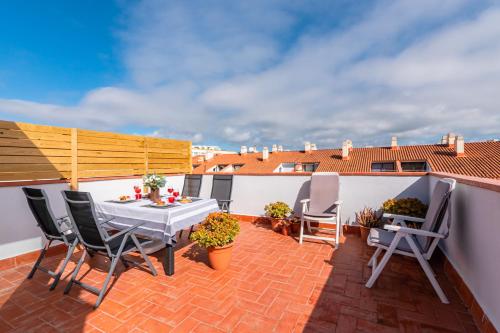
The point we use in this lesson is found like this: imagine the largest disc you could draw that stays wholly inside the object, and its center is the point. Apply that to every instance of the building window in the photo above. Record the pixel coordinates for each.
(383, 167)
(414, 166)
(236, 167)
(309, 167)
(219, 167)
(286, 167)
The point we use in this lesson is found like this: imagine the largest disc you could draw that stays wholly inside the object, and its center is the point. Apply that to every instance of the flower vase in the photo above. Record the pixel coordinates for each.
(154, 195)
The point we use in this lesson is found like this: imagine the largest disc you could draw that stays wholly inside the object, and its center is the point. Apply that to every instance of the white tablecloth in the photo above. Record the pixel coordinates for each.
(159, 223)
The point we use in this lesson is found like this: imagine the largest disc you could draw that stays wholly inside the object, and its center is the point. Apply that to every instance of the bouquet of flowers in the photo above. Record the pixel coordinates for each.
(154, 181)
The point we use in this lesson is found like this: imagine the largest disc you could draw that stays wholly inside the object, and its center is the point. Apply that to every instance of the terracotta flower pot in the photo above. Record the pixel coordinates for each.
(364, 233)
(154, 195)
(276, 224)
(295, 228)
(220, 257)
(286, 230)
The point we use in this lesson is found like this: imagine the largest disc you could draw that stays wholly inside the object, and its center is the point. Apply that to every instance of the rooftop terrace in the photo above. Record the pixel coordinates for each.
(272, 285)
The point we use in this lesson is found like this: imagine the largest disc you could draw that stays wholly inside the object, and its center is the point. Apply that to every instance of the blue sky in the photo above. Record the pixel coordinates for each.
(255, 73)
(56, 53)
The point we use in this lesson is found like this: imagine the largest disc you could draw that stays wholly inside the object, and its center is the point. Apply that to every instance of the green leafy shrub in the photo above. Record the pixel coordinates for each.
(368, 218)
(218, 229)
(278, 210)
(407, 206)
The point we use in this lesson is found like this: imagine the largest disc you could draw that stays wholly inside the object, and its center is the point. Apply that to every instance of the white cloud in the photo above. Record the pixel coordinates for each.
(222, 73)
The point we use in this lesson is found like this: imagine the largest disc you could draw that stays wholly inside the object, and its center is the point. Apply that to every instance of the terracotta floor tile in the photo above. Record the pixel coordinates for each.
(273, 283)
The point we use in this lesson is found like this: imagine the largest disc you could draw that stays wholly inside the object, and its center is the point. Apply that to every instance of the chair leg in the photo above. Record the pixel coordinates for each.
(373, 260)
(75, 273)
(301, 237)
(337, 232)
(71, 249)
(144, 256)
(427, 270)
(380, 267)
(39, 260)
(309, 226)
(114, 261)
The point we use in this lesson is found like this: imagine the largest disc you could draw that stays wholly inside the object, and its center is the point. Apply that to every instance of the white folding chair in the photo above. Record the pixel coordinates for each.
(323, 206)
(417, 243)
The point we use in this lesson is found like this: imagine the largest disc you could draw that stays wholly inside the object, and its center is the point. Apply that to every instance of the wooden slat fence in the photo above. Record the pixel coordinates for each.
(36, 152)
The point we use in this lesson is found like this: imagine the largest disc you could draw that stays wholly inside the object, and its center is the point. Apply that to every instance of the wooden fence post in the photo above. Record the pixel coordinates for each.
(74, 159)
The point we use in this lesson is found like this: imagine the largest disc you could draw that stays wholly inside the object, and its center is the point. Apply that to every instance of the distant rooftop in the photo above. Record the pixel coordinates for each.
(478, 159)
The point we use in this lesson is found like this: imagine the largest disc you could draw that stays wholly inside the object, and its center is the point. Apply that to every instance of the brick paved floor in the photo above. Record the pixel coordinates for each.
(273, 285)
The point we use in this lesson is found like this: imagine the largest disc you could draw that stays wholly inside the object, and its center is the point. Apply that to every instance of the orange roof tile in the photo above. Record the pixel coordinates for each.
(482, 159)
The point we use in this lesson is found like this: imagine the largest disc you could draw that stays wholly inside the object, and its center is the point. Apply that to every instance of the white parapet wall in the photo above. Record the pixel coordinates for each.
(473, 245)
(19, 233)
(251, 193)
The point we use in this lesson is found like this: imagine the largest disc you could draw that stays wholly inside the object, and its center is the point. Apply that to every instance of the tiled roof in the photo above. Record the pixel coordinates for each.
(482, 159)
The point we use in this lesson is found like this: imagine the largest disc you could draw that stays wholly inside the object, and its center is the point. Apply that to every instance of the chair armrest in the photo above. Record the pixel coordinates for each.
(102, 220)
(403, 218)
(125, 231)
(338, 202)
(222, 200)
(304, 201)
(412, 231)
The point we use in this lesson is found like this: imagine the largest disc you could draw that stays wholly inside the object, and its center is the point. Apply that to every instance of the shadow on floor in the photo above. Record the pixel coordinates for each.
(402, 300)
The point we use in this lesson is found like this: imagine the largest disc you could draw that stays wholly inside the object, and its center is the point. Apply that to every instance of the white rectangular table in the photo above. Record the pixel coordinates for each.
(157, 223)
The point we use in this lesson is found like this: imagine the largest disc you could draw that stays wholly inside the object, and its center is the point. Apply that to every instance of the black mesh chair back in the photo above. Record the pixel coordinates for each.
(192, 186)
(222, 187)
(81, 211)
(39, 206)
(53, 228)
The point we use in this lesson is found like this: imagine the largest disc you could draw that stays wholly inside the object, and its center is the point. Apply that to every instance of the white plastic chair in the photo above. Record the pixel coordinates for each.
(417, 243)
(323, 206)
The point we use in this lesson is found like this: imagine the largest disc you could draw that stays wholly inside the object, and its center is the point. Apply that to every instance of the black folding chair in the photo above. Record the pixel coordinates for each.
(94, 237)
(192, 186)
(221, 190)
(53, 229)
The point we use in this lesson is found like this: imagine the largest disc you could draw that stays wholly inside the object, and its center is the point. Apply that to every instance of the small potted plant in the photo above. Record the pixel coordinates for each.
(367, 218)
(154, 182)
(277, 212)
(217, 234)
(294, 224)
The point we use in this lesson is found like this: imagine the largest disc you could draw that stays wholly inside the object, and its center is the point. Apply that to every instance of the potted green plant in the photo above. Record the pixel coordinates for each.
(277, 212)
(406, 206)
(367, 218)
(217, 234)
(154, 182)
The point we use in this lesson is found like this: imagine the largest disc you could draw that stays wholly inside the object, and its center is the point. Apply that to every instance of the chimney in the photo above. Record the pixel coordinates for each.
(265, 154)
(280, 148)
(313, 146)
(349, 144)
(307, 147)
(274, 148)
(243, 150)
(444, 140)
(451, 140)
(209, 156)
(394, 143)
(459, 146)
(345, 150)
(255, 149)
(251, 149)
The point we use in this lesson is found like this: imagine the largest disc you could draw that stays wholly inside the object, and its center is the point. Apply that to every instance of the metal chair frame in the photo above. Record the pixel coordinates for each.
(58, 224)
(103, 250)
